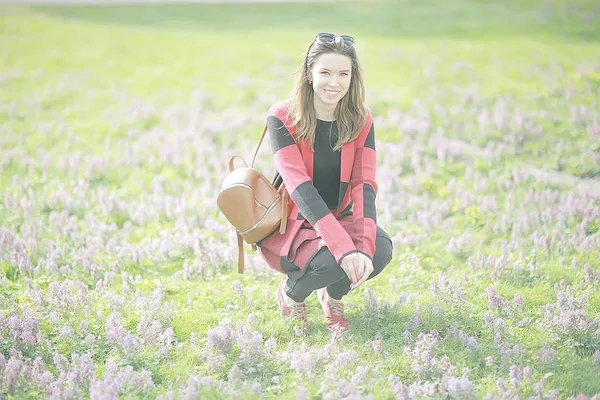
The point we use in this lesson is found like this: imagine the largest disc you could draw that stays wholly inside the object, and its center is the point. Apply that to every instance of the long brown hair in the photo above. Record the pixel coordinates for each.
(350, 112)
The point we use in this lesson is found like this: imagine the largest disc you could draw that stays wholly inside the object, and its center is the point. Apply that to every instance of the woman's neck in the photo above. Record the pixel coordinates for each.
(325, 112)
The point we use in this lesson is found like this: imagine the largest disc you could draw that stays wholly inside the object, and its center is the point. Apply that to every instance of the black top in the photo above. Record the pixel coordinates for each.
(327, 163)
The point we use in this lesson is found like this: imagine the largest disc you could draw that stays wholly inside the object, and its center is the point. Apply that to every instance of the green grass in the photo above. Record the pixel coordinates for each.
(115, 126)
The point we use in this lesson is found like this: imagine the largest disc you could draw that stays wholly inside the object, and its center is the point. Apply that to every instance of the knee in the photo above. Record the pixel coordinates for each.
(383, 252)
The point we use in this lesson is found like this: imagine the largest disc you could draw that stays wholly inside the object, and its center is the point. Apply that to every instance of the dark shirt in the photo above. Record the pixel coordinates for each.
(327, 163)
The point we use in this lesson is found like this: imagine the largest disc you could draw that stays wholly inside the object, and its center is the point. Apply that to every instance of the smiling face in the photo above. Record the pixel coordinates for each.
(331, 76)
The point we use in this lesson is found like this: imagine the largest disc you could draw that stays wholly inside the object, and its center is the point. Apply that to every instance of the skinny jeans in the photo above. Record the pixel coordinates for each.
(323, 271)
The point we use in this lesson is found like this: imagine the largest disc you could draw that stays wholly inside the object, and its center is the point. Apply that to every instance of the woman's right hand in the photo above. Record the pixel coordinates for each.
(358, 267)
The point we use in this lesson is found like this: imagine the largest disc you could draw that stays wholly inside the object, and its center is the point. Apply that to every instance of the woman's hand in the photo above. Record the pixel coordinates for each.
(358, 267)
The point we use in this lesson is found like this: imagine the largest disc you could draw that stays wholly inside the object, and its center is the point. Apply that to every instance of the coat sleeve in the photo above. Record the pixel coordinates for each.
(290, 165)
(364, 191)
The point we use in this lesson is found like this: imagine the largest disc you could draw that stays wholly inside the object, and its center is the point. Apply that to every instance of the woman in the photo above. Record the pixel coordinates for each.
(324, 151)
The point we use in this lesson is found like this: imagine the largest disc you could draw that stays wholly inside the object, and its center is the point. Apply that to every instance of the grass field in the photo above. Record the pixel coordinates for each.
(119, 273)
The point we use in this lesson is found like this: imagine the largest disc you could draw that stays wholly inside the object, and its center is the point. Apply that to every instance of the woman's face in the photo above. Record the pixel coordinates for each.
(331, 74)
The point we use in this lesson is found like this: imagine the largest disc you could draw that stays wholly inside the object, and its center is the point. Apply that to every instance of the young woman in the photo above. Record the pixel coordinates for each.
(323, 143)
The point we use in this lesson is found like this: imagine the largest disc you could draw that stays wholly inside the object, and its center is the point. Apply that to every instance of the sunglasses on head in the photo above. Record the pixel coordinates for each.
(328, 38)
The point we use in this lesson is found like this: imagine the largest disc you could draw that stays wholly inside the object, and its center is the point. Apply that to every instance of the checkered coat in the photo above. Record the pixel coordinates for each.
(311, 225)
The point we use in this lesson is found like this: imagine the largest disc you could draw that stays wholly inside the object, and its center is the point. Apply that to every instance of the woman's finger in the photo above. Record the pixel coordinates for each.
(367, 266)
(354, 277)
(361, 268)
(349, 267)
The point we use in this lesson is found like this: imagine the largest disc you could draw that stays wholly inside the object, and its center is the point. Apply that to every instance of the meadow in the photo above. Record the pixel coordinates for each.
(118, 273)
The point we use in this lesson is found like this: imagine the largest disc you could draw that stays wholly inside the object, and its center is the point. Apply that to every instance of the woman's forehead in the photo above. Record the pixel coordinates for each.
(333, 61)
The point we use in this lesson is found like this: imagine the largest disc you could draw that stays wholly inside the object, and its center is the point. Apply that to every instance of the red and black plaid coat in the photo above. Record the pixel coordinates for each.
(311, 224)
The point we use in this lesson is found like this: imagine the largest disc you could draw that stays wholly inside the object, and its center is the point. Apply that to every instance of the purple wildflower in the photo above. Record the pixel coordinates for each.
(399, 389)
(516, 376)
(220, 338)
(237, 288)
(458, 388)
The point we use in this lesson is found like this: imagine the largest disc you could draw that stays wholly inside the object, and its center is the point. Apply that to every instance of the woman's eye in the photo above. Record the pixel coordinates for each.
(324, 72)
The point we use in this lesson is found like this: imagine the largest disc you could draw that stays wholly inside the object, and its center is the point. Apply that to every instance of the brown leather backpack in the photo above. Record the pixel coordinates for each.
(251, 204)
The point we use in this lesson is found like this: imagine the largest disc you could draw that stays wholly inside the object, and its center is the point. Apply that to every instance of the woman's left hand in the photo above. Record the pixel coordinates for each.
(364, 270)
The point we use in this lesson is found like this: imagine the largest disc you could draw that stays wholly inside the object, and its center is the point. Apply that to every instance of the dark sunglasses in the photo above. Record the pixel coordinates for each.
(328, 38)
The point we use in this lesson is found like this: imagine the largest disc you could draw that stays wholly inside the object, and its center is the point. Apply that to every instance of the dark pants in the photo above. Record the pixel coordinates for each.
(324, 271)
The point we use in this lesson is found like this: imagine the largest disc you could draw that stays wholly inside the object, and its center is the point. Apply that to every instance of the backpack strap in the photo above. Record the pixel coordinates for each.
(240, 253)
(258, 147)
